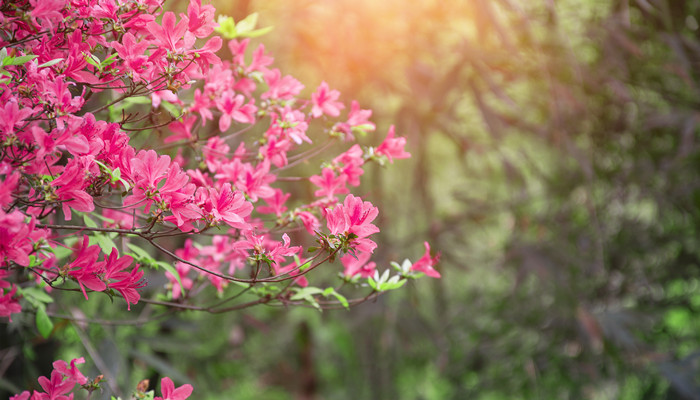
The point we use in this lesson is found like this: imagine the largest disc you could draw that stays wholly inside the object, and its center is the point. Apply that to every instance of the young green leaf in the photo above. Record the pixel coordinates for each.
(227, 27)
(50, 63)
(18, 60)
(36, 297)
(173, 272)
(89, 222)
(43, 323)
(341, 299)
(247, 24)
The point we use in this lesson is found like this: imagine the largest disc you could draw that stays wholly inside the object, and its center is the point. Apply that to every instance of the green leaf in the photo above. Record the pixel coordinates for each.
(105, 242)
(247, 24)
(43, 323)
(331, 291)
(170, 107)
(266, 290)
(140, 253)
(678, 320)
(302, 267)
(170, 268)
(116, 175)
(89, 222)
(391, 285)
(138, 100)
(227, 27)
(37, 297)
(61, 252)
(307, 294)
(373, 283)
(109, 60)
(257, 32)
(51, 62)
(303, 293)
(17, 60)
(93, 60)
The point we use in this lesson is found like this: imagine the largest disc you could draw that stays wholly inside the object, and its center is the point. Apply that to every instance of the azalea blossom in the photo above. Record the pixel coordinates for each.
(89, 136)
(229, 206)
(169, 392)
(325, 101)
(329, 184)
(425, 264)
(393, 148)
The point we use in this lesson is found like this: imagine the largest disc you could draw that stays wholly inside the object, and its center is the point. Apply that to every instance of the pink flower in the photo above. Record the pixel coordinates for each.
(238, 50)
(12, 115)
(147, 170)
(201, 18)
(56, 388)
(352, 161)
(310, 221)
(86, 269)
(49, 11)
(358, 265)
(255, 181)
(337, 220)
(425, 264)
(168, 35)
(359, 118)
(124, 282)
(230, 207)
(360, 214)
(329, 184)
(132, 54)
(260, 61)
(8, 303)
(206, 55)
(215, 152)
(8, 185)
(324, 102)
(182, 130)
(393, 147)
(294, 125)
(70, 186)
(21, 396)
(281, 250)
(15, 243)
(276, 150)
(232, 107)
(167, 389)
(281, 88)
(275, 202)
(71, 372)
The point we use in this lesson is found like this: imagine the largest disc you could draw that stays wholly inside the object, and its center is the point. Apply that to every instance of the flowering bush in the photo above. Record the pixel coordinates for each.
(83, 165)
(65, 377)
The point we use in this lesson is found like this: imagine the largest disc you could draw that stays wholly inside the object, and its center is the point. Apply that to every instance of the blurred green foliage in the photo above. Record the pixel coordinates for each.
(555, 166)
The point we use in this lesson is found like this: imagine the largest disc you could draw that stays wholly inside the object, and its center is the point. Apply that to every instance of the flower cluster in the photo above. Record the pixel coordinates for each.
(81, 81)
(65, 377)
(121, 121)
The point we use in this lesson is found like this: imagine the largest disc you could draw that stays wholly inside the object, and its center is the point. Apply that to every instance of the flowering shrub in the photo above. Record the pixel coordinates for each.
(65, 378)
(82, 165)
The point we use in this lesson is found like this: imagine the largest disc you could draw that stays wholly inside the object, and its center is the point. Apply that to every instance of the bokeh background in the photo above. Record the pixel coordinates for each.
(555, 166)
